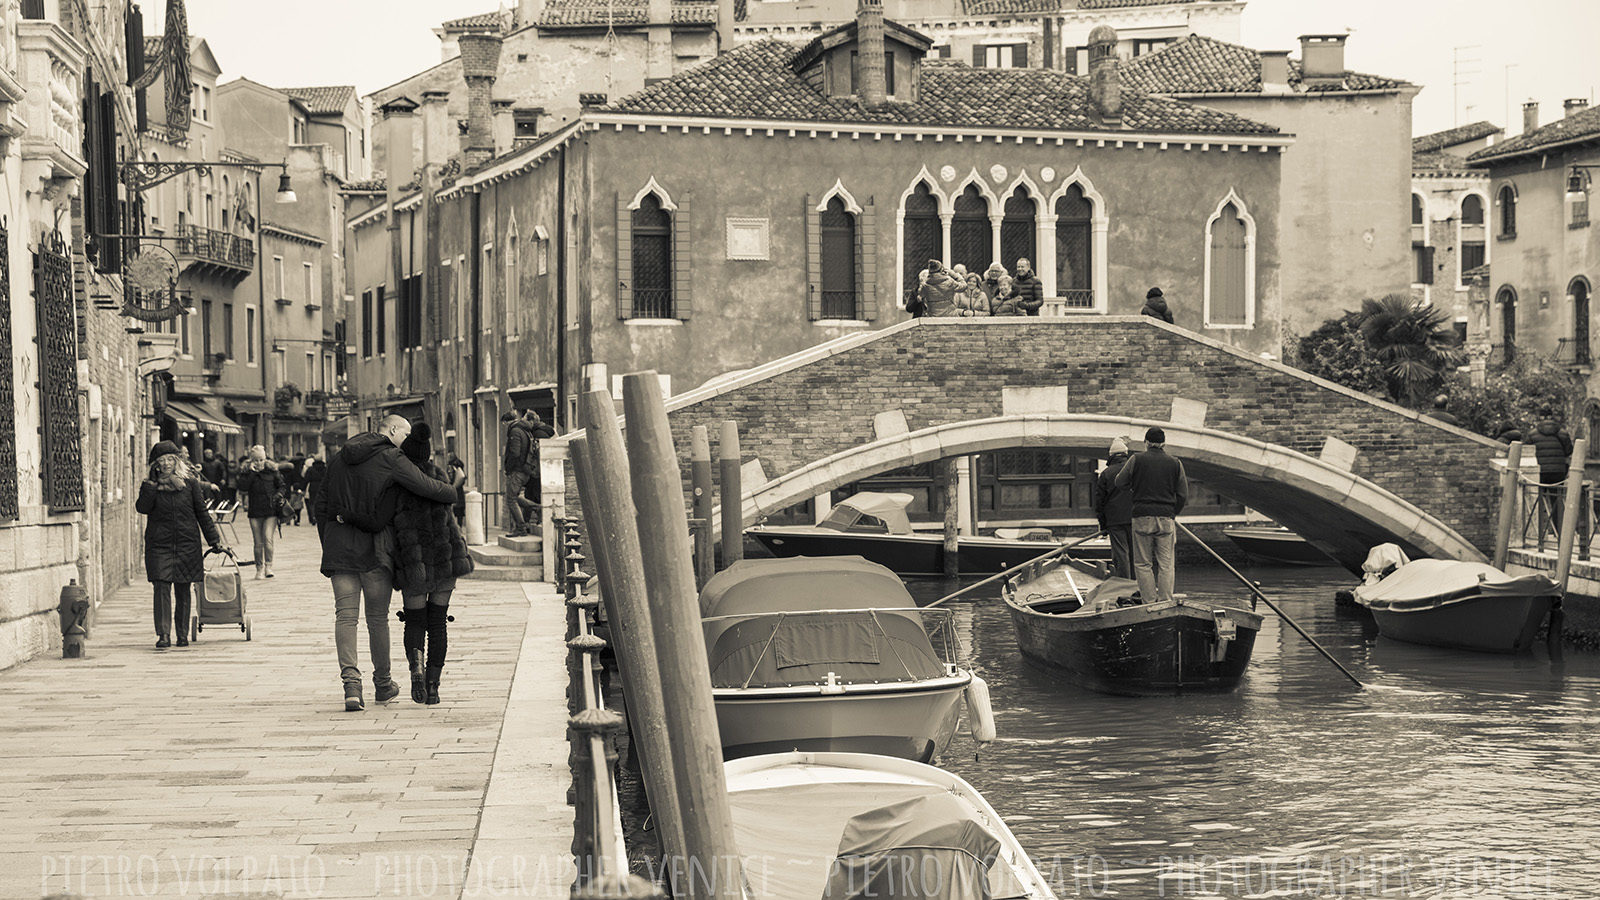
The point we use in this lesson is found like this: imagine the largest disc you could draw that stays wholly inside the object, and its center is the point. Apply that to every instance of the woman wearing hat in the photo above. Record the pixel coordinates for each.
(429, 553)
(176, 504)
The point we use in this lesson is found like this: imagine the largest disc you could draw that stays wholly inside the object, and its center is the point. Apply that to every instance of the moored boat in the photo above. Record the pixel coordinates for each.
(1097, 634)
(1276, 545)
(1454, 603)
(831, 654)
(853, 826)
(875, 526)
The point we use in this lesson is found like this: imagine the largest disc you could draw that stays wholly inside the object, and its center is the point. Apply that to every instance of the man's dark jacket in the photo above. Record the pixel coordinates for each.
(1113, 506)
(1028, 292)
(1159, 485)
(1552, 447)
(522, 446)
(358, 498)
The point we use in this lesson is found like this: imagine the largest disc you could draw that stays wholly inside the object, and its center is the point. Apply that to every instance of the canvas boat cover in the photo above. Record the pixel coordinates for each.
(840, 840)
(1381, 561)
(785, 649)
(1429, 583)
(795, 584)
(891, 508)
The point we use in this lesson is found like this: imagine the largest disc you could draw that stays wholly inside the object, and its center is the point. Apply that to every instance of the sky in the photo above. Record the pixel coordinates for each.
(1547, 44)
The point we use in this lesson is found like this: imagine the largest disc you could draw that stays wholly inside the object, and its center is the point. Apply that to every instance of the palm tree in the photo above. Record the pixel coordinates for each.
(1415, 343)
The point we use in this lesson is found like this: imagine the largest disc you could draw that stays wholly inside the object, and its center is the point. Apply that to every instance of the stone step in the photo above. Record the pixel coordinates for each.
(530, 543)
(492, 555)
(507, 573)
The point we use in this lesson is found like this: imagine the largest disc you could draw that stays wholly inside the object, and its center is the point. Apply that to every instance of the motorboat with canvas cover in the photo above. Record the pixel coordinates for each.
(852, 826)
(1097, 633)
(831, 654)
(875, 526)
(1454, 603)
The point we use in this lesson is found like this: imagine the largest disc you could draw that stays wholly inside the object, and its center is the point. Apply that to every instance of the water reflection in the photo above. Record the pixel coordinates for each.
(1456, 775)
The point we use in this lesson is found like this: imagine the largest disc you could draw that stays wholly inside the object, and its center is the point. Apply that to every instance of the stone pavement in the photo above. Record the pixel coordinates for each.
(230, 768)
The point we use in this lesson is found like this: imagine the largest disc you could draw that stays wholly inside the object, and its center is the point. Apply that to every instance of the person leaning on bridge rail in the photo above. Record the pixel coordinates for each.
(1027, 287)
(939, 291)
(355, 517)
(1113, 506)
(1160, 490)
(1155, 306)
(1552, 447)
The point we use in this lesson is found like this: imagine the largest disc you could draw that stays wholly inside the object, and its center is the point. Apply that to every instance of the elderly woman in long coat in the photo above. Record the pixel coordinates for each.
(175, 502)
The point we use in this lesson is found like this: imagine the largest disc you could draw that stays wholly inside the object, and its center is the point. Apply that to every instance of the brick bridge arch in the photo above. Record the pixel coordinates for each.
(1337, 465)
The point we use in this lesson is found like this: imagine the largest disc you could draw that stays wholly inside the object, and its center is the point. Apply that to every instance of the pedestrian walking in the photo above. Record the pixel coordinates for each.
(266, 495)
(458, 478)
(315, 472)
(1552, 447)
(1028, 288)
(214, 472)
(1113, 506)
(1160, 490)
(294, 476)
(1155, 306)
(175, 505)
(355, 517)
(430, 553)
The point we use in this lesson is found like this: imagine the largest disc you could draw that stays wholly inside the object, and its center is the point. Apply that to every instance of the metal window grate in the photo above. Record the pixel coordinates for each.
(652, 260)
(839, 272)
(58, 375)
(8, 400)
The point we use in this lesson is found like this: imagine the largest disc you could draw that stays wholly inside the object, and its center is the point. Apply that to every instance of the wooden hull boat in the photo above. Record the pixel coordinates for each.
(1086, 629)
(854, 826)
(1465, 605)
(831, 654)
(1276, 545)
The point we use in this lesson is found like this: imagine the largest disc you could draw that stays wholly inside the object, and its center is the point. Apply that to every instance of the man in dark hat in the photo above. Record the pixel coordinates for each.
(1156, 305)
(1160, 491)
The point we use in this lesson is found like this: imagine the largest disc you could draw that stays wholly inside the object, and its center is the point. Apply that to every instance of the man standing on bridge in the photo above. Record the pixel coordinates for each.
(1160, 491)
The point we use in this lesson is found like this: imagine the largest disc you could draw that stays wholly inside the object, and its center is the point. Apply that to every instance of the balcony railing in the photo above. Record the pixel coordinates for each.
(1574, 352)
(207, 245)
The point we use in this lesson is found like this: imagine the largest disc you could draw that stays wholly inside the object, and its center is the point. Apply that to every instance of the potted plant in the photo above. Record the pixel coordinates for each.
(285, 396)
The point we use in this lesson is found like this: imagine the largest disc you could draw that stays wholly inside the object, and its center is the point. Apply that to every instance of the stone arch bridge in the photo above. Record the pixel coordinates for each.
(1344, 469)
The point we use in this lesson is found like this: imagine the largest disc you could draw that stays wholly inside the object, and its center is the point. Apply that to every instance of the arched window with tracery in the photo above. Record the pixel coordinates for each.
(971, 232)
(921, 234)
(652, 259)
(1578, 290)
(839, 271)
(1019, 229)
(1074, 250)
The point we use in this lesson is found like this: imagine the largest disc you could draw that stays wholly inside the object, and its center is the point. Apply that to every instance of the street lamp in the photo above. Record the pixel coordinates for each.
(1578, 183)
(285, 190)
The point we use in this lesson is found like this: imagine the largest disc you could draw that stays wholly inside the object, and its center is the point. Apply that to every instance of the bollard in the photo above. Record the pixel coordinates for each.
(1508, 504)
(476, 534)
(73, 608)
(1569, 512)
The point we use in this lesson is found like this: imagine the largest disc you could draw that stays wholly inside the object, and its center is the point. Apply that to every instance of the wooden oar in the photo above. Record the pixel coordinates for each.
(1273, 606)
(1011, 571)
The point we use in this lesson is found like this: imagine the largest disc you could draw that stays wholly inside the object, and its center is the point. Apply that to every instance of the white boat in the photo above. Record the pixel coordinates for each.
(1453, 603)
(853, 826)
(830, 654)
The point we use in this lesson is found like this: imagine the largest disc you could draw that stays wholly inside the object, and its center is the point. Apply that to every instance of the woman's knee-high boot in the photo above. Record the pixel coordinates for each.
(438, 642)
(415, 638)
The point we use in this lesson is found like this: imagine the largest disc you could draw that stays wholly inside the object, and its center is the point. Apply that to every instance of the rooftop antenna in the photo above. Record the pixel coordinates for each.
(1463, 67)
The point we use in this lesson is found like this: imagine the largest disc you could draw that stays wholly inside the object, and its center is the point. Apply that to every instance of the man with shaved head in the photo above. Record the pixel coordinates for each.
(355, 513)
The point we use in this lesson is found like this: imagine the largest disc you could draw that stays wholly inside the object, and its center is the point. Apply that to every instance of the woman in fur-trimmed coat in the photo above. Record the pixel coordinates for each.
(430, 552)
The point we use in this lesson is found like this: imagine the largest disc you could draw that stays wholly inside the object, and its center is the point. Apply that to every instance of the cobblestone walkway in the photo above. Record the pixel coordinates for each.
(230, 768)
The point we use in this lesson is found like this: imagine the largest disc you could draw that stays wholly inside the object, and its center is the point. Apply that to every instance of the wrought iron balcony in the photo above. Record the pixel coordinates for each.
(227, 255)
(1574, 352)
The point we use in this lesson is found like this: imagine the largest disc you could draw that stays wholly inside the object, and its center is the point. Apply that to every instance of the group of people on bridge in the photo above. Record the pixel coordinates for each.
(954, 291)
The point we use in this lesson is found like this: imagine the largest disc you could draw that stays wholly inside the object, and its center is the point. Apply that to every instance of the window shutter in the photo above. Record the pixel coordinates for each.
(867, 252)
(624, 259)
(813, 260)
(977, 56)
(1019, 56)
(1427, 265)
(682, 275)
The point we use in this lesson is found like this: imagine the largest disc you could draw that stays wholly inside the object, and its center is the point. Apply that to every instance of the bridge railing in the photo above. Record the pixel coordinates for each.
(1539, 511)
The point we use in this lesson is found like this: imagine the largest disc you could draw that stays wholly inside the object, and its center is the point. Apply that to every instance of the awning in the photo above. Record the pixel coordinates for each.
(200, 417)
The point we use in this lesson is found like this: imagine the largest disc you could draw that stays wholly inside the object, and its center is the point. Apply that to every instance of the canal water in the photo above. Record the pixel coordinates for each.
(1456, 775)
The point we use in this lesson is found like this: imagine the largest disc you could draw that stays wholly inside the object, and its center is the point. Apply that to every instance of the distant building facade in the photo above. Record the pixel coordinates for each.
(1449, 228)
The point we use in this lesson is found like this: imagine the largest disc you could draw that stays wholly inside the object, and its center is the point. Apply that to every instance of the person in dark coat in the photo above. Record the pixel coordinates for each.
(1160, 491)
(1552, 447)
(214, 471)
(1441, 411)
(1113, 506)
(314, 475)
(355, 517)
(429, 553)
(264, 490)
(294, 475)
(1155, 305)
(458, 477)
(1027, 288)
(176, 505)
(939, 291)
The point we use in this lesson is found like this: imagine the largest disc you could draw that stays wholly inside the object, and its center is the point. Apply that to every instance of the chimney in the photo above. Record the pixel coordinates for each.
(1322, 59)
(505, 125)
(401, 164)
(871, 87)
(480, 62)
(527, 13)
(440, 140)
(1105, 81)
(1275, 71)
(1574, 105)
(591, 100)
(1530, 116)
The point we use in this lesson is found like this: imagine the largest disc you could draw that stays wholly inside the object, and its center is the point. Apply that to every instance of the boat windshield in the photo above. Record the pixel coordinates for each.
(861, 646)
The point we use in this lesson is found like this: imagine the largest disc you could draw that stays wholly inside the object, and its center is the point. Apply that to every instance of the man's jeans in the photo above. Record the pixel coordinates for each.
(516, 483)
(1155, 539)
(348, 588)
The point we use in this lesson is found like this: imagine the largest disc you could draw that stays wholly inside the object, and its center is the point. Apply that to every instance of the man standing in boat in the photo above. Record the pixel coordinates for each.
(1113, 506)
(1160, 489)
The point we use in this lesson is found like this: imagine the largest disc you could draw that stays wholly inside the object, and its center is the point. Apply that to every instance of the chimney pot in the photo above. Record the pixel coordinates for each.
(589, 100)
(873, 87)
(1530, 116)
(480, 63)
(1105, 79)
(1275, 70)
(1322, 58)
(1574, 105)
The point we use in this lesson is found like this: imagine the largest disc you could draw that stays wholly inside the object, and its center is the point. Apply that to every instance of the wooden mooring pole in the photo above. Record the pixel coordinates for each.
(1510, 481)
(1569, 512)
(711, 869)
(732, 495)
(700, 479)
(952, 517)
(601, 467)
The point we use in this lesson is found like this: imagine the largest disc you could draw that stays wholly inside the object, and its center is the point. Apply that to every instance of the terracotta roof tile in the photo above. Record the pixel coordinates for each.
(1116, 4)
(599, 13)
(1009, 7)
(1580, 126)
(1203, 65)
(321, 101)
(1436, 162)
(1450, 137)
(481, 20)
(757, 81)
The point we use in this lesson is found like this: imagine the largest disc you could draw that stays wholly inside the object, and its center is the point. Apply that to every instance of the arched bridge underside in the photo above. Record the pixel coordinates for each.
(1340, 467)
